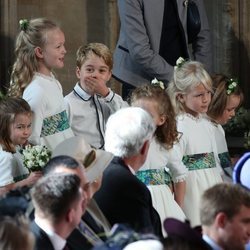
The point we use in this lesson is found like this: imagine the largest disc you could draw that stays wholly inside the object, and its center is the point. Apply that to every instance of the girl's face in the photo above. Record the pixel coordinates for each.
(151, 106)
(94, 72)
(20, 129)
(196, 101)
(233, 101)
(52, 54)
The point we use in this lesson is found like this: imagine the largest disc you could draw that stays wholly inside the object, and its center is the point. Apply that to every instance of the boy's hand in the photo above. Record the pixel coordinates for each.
(97, 86)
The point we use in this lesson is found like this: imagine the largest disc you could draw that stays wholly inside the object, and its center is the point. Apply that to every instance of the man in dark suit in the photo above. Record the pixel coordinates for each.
(94, 227)
(59, 203)
(153, 35)
(122, 197)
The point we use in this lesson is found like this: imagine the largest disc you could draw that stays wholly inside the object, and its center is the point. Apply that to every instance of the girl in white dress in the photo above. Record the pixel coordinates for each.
(39, 49)
(156, 172)
(190, 93)
(226, 98)
(15, 129)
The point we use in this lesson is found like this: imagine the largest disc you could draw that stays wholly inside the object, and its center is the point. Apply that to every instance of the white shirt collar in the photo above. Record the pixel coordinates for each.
(211, 243)
(131, 170)
(57, 241)
(83, 94)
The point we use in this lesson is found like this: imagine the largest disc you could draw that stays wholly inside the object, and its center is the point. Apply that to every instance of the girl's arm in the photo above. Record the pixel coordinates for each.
(35, 96)
(179, 192)
(30, 180)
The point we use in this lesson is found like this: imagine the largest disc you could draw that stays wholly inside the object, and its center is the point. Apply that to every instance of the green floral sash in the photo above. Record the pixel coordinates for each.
(20, 177)
(199, 161)
(154, 177)
(55, 124)
(225, 160)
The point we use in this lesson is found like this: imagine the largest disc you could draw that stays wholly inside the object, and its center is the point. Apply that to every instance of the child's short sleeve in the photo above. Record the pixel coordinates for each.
(6, 162)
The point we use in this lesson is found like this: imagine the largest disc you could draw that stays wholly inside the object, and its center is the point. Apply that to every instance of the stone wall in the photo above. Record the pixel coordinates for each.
(97, 20)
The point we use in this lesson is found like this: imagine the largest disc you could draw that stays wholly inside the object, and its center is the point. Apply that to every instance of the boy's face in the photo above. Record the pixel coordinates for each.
(93, 74)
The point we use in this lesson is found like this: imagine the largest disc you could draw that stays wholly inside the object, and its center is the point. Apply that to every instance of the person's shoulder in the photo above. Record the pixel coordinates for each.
(5, 156)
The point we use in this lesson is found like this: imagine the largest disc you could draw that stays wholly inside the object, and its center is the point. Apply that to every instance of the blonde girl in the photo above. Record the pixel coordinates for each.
(40, 49)
(156, 172)
(15, 129)
(190, 93)
(226, 98)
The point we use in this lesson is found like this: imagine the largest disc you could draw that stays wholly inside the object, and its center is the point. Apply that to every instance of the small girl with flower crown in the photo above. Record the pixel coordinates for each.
(15, 129)
(226, 98)
(156, 172)
(39, 49)
(190, 93)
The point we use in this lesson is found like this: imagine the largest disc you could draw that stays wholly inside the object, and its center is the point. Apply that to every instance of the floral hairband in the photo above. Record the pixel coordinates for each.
(24, 24)
(157, 83)
(179, 62)
(232, 84)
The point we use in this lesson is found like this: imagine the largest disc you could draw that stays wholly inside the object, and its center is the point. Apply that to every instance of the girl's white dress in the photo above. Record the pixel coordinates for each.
(157, 176)
(197, 150)
(224, 157)
(50, 121)
(11, 168)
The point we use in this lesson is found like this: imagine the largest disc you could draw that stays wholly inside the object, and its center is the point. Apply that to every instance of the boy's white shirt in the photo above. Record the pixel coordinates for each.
(81, 109)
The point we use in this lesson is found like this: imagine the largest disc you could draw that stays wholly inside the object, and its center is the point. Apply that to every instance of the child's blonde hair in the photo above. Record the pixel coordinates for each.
(167, 133)
(220, 96)
(186, 77)
(32, 35)
(9, 108)
(97, 49)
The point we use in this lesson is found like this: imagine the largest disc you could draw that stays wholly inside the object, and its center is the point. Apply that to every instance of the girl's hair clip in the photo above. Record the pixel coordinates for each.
(231, 86)
(24, 24)
(157, 83)
(179, 62)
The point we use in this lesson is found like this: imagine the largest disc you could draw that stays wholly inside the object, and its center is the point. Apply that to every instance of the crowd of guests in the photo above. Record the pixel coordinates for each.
(150, 172)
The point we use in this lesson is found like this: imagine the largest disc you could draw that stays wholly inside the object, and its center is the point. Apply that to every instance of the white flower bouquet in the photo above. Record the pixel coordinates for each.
(35, 157)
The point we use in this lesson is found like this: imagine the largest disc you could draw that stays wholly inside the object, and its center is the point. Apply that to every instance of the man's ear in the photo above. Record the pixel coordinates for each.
(70, 215)
(221, 219)
(38, 52)
(78, 72)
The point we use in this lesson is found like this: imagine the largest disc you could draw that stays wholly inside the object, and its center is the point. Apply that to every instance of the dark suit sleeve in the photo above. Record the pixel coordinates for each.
(42, 241)
(124, 199)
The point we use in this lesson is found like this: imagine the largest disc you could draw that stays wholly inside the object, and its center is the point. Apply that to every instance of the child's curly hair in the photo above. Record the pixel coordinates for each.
(166, 133)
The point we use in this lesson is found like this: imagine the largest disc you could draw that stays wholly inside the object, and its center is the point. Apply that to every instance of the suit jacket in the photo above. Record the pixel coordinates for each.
(125, 199)
(42, 240)
(78, 240)
(136, 57)
(96, 213)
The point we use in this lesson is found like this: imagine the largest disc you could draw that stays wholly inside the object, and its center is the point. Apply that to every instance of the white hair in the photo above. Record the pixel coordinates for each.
(186, 77)
(127, 130)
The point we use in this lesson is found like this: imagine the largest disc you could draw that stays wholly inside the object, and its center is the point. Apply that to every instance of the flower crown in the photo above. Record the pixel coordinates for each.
(23, 23)
(157, 83)
(179, 62)
(232, 84)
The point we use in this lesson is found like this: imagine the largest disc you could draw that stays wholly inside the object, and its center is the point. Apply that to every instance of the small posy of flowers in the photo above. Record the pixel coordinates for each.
(158, 83)
(232, 84)
(35, 157)
(180, 61)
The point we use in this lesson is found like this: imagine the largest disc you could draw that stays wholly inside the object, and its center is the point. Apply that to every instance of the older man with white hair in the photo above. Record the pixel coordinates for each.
(122, 197)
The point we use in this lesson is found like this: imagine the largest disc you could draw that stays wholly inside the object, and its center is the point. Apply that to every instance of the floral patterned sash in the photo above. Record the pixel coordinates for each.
(154, 177)
(225, 160)
(55, 124)
(199, 161)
